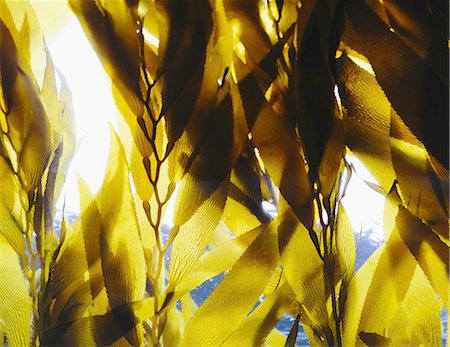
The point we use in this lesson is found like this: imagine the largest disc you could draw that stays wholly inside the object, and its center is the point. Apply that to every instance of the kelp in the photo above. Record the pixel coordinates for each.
(229, 106)
(37, 142)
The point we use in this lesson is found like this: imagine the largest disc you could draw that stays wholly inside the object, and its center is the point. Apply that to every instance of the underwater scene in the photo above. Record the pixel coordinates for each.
(224, 173)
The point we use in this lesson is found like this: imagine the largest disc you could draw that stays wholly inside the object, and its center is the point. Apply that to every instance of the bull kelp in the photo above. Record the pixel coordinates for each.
(227, 106)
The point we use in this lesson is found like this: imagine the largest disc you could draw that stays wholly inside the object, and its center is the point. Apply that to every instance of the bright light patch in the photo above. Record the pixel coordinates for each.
(361, 62)
(94, 108)
(338, 97)
(364, 206)
(150, 38)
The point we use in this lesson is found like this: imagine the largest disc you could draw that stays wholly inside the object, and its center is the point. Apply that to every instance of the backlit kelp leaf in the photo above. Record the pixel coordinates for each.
(302, 265)
(185, 30)
(67, 274)
(106, 329)
(314, 103)
(218, 260)
(275, 339)
(243, 210)
(62, 123)
(209, 163)
(281, 154)
(49, 96)
(29, 131)
(11, 225)
(258, 324)
(111, 28)
(194, 235)
(67, 124)
(89, 225)
(357, 293)
(367, 120)
(422, 309)
(172, 327)
(188, 308)
(131, 118)
(417, 320)
(244, 17)
(428, 249)
(419, 184)
(26, 123)
(391, 278)
(15, 302)
(344, 244)
(120, 247)
(423, 73)
(8, 68)
(234, 297)
(437, 174)
(331, 166)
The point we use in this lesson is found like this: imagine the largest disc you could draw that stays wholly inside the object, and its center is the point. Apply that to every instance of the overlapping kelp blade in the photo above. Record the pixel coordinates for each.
(423, 70)
(303, 268)
(313, 82)
(386, 291)
(111, 29)
(344, 244)
(428, 249)
(234, 297)
(420, 312)
(282, 158)
(121, 250)
(183, 44)
(229, 104)
(15, 301)
(367, 121)
(11, 221)
(257, 325)
(219, 259)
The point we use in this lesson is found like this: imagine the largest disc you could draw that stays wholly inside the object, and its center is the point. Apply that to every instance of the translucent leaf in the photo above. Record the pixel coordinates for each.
(430, 252)
(357, 292)
(282, 158)
(258, 324)
(195, 234)
(420, 186)
(303, 267)
(8, 65)
(236, 294)
(275, 339)
(29, 131)
(118, 48)
(421, 308)
(427, 92)
(15, 302)
(11, 225)
(185, 33)
(345, 243)
(368, 121)
(315, 105)
(120, 247)
(389, 283)
(219, 259)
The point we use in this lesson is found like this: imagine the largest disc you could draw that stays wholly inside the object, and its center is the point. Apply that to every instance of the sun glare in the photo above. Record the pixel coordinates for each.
(94, 108)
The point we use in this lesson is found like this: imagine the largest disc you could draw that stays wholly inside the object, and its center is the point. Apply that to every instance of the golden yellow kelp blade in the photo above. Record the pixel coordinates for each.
(430, 252)
(235, 296)
(258, 324)
(232, 105)
(121, 251)
(15, 301)
(303, 269)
